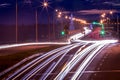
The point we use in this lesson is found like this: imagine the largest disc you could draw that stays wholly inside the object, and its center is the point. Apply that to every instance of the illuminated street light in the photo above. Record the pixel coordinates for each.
(101, 21)
(103, 15)
(60, 13)
(73, 19)
(56, 10)
(45, 4)
(111, 12)
(66, 17)
(84, 22)
(59, 16)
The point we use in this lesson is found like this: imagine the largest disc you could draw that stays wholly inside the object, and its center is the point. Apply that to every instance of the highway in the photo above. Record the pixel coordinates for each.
(75, 61)
(60, 40)
(69, 62)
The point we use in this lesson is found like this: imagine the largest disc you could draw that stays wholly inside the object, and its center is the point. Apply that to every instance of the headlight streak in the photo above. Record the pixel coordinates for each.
(31, 64)
(80, 49)
(77, 57)
(57, 64)
(70, 65)
(47, 72)
(98, 41)
(73, 62)
(86, 62)
(28, 44)
(79, 35)
(46, 62)
(91, 60)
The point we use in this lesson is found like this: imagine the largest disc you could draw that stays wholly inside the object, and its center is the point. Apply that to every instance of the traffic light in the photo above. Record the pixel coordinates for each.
(63, 33)
(102, 32)
(94, 23)
(65, 30)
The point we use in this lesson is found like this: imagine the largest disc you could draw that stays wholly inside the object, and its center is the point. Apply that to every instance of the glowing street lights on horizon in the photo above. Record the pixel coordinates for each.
(111, 12)
(59, 15)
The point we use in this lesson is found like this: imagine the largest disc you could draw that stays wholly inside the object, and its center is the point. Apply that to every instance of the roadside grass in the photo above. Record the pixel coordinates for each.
(10, 60)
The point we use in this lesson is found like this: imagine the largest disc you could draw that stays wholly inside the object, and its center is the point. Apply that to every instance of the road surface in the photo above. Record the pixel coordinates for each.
(78, 61)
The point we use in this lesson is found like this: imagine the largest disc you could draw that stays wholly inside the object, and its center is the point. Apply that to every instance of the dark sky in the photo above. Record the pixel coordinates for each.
(85, 9)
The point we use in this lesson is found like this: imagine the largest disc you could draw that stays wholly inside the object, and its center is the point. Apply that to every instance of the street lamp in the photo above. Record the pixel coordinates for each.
(56, 10)
(45, 5)
(111, 12)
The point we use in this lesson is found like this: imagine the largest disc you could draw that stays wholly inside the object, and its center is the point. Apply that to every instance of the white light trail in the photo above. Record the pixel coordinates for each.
(97, 41)
(73, 62)
(57, 64)
(44, 76)
(46, 62)
(28, 44)
(32, 63)
(79, 35)
(93, 49)
(86, 62)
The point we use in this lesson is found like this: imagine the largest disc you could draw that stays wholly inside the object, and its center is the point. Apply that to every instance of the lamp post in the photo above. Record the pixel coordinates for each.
(45, 5)
(118, 25)
(36, 16)
(16, 22)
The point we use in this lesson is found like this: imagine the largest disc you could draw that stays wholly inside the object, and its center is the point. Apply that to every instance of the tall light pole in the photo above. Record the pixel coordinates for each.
(36, 16)
(118, 25)
(16, 22)
(45, 4)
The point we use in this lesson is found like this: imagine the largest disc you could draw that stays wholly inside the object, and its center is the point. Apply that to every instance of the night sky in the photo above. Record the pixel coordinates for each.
(89, 10)
(26, 9)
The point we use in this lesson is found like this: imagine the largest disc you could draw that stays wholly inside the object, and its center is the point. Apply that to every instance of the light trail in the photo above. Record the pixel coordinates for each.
(46, 62)
(29, 44)
(90, 58)
(79, 35)
(86, 62)
(79, 55)
(73, 62)
(96, 41)
(92, 49)
(56, 65)
(48, 71)
(31, 64)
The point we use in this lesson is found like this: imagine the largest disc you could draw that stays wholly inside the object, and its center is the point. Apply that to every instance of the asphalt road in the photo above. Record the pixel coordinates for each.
(107, 64)
(77, 61)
